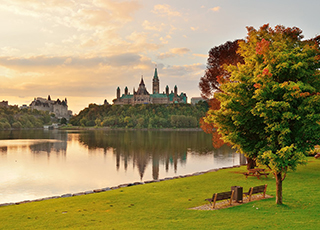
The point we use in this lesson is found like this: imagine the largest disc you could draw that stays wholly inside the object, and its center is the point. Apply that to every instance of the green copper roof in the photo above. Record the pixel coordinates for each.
(158, 95)
(181, 96)
(155, 73)
(126, 96)
(171, 95)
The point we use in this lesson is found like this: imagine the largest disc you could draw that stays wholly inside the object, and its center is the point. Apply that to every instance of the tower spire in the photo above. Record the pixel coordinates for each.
(155, 82)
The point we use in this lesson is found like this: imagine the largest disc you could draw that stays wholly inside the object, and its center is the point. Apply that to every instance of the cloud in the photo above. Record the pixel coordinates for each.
(182, 71)
(44, 62)
(201, 55)
(148, 26)
(174, 52)
(69, 77)
(85, 15)
(215, 9)
(7, 50)
(165, 11)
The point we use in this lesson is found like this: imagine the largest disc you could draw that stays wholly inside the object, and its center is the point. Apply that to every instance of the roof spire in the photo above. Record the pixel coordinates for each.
(155, 76)
(141, 82)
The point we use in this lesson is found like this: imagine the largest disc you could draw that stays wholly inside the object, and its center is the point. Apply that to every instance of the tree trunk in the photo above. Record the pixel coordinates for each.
(279, 188)
(251, 163)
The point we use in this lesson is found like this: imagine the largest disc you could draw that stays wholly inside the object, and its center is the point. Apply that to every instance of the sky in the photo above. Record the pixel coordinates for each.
(83, 50)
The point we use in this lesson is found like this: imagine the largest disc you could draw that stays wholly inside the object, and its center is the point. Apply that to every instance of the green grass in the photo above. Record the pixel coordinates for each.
(164, 205)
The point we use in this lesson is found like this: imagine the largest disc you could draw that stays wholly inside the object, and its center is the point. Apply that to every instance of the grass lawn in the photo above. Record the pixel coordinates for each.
(164, 205)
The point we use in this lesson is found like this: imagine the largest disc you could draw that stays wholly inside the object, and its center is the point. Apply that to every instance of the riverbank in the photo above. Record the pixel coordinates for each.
(112, 188)
(133, 129)
(166, 205)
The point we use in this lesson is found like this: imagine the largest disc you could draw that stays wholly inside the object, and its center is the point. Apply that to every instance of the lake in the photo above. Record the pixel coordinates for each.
(41, 163)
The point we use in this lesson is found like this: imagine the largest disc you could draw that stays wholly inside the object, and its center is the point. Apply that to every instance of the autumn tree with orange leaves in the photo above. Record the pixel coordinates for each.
(270, 108)
(219, 56)
(225, 54)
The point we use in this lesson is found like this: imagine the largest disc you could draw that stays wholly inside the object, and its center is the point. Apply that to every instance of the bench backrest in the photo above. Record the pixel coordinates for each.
(224, 195)
(258, 189)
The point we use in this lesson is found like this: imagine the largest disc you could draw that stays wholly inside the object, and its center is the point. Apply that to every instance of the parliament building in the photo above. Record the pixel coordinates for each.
(142, 96)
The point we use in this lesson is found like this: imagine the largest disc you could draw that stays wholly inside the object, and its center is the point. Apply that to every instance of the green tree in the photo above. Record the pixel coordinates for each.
(271, 106)
(16, 125)
(63, 121)
(97, 122)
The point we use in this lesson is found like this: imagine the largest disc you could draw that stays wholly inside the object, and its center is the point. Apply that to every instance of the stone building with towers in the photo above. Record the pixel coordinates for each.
(142, 96)
(59, 108)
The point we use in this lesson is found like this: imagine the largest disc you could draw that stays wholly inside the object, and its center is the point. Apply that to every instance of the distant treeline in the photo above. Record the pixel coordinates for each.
(13, 117)
(142, 116)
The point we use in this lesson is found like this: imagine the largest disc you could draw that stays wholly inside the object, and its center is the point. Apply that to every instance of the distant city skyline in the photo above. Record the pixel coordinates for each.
(83, 50)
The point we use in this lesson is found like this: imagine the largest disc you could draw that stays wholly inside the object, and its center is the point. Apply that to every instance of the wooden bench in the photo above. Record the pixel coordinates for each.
(256, 190)
(220, 196)
(256, 172)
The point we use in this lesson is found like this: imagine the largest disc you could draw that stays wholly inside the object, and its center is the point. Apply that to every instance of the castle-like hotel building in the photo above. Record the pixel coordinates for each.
(142, 96)
(59, 108)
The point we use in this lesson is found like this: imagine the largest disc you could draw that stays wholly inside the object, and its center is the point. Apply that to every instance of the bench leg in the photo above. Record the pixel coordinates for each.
(214, 201)
(250, 194)
(265, 189)
(231, 198)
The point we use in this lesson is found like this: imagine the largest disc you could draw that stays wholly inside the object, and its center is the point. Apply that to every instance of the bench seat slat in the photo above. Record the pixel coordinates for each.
(221, 196)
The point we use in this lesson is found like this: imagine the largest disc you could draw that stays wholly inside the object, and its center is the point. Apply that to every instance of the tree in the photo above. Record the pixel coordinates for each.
(270, 108)
(219, 56)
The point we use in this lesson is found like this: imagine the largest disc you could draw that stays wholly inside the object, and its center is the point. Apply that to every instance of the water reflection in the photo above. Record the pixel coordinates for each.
(39, 163)
(38, 141)
(160, 147)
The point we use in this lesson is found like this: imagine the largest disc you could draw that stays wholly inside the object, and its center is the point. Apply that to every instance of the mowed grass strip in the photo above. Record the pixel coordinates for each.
(165, 205)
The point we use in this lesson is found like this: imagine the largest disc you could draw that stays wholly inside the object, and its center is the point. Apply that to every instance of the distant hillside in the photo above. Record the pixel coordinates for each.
(142, 116)
(13, 117)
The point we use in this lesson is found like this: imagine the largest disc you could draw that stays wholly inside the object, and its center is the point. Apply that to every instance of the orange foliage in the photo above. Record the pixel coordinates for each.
(214, 104)
(306, 94)
(257, 85)
(217, 142)
(262, 47)
(207, 128)
(266, 72)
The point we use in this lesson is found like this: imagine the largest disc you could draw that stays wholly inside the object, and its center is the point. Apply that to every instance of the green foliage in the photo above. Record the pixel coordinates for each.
(141, 116)
(13, 117)
(270, 108)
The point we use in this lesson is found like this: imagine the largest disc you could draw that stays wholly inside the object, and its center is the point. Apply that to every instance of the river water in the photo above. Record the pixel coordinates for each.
(42, 163)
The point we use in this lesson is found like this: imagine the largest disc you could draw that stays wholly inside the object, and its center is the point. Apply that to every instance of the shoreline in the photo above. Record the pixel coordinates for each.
(116, 187)
(130, 129)
(66, 128)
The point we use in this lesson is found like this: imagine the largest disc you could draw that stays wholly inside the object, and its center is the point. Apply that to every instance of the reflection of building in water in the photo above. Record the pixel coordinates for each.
(141, 148)
(141, 159)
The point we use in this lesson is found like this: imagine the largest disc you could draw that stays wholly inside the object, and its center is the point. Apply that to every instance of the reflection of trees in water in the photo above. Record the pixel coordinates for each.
(47, 146)
(224, 152)
(28, 134)
(4, 149)
(140, 147)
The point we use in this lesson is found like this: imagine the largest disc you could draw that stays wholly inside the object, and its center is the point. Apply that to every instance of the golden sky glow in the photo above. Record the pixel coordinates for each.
(83, 50)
